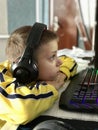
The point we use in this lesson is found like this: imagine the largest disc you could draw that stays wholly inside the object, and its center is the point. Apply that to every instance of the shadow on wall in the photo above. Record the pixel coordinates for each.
(2, 49)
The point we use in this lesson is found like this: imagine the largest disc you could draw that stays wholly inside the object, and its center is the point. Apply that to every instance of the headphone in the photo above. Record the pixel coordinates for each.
(26, 70)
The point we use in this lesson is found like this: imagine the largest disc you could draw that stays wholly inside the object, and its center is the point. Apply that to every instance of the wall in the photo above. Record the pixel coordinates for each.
(3, 17)
(3, 28)
(20, 13)
(2, 49)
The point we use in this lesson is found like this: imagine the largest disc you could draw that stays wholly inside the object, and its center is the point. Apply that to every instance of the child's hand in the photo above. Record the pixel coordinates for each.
(59, 81)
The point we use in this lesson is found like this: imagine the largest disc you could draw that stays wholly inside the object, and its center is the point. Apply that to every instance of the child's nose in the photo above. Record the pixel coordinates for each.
(59, 62)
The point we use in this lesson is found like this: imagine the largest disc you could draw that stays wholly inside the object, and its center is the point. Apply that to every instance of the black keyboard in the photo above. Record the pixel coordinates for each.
(82, 93)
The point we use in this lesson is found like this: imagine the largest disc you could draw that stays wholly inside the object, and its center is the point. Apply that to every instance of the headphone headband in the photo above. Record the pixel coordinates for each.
(34, 37)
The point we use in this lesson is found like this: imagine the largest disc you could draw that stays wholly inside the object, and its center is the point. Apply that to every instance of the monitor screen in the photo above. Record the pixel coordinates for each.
(96, 38)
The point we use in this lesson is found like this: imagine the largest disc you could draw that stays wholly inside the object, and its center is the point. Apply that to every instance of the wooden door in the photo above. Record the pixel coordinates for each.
(64, 13)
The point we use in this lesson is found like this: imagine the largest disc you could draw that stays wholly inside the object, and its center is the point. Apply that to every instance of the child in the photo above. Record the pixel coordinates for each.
(19, 104)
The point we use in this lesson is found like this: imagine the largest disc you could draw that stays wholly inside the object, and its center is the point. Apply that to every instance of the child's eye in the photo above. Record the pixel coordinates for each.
(53, 57)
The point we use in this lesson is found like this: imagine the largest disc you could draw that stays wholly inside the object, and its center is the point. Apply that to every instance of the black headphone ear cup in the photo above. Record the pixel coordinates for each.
(23, 74)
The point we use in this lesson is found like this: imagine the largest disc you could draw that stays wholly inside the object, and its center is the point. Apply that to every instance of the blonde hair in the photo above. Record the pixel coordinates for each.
(17, 42)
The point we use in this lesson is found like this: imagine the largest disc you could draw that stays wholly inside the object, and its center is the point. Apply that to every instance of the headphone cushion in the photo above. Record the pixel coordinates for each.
(25, 73)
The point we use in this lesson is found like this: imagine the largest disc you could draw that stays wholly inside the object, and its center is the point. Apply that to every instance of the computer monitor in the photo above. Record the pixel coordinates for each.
(96, 38)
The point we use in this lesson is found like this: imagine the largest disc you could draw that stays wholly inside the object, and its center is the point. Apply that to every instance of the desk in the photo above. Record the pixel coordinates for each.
(55, 110)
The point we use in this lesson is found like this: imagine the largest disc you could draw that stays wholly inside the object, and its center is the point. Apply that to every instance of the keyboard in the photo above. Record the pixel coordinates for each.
(82, 93)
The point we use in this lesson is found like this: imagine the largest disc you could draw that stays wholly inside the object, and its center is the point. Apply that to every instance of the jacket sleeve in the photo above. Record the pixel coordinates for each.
(69, 66)
(20, 104)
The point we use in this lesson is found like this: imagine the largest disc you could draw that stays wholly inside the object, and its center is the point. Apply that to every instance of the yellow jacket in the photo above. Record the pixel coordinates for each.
(21, 104)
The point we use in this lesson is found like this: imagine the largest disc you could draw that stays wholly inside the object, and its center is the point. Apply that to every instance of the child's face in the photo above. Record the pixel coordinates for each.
(48, 62)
